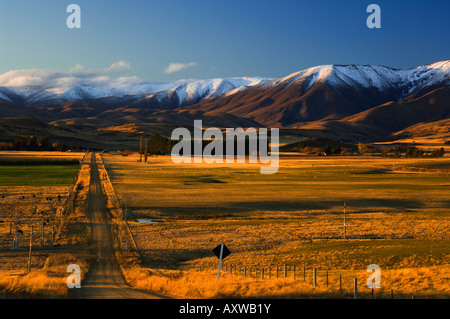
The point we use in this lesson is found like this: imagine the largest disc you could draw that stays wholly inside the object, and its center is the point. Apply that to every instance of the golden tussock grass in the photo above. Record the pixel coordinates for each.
(397, 217)
(402, 283)
(50, 281)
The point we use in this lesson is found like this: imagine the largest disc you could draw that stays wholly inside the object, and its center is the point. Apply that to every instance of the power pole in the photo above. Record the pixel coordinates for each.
(146, 149)
(140, 149)
(16, 235)
(345, 225)
(53, 225)
(29, 254)
(42, 230)
(11, 221)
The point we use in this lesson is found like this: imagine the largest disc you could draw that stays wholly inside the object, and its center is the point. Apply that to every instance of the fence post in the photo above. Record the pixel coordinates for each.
(327, 278)
(340, 283)
(262, 273)
(355, 289)
(315, 277)
(245, 271)
(285, 271)
(304, 273)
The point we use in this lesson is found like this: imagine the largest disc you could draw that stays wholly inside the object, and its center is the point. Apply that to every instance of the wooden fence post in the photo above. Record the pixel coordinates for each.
(315, 277)
(304, 273)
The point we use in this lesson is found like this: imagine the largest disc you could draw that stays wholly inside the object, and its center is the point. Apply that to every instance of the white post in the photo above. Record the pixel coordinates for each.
(220, 261)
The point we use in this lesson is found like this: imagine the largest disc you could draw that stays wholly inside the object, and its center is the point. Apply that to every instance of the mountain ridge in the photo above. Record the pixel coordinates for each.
(349, 102)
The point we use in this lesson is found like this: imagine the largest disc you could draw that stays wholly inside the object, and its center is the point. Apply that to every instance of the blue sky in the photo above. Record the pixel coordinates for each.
(220, 38)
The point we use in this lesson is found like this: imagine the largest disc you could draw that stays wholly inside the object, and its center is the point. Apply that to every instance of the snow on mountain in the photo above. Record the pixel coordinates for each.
(370, 76)
(192, 91)
(203, 89)
(186, 90)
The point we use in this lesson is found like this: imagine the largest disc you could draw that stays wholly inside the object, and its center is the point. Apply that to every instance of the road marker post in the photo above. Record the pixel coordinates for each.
(221, 252)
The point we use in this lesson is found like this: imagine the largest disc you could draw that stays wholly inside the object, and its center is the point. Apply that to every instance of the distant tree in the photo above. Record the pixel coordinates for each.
(413, 152)
(438, 153)
(301, 146)
(158, 145)
(363, 148)
(31, 143)
(127, 153)
(337, 150)
(327, 149)
(63, 147)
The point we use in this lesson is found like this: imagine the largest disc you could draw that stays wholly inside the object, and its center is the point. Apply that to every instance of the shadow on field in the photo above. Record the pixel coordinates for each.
(328, 204)
(293, 205)
(173, 258)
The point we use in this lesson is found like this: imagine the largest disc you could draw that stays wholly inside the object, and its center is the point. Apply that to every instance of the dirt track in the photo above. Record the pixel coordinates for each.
(104, 280)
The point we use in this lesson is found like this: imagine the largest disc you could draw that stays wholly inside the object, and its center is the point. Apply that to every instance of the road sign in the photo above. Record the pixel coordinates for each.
(221, 252)
(226, 252)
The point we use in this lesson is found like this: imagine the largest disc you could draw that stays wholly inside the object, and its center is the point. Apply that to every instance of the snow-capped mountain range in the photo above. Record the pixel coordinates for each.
(372, 76)
(186, 92)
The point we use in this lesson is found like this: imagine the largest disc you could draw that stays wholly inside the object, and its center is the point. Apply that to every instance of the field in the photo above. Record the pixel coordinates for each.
(34, 189)
(397, 216)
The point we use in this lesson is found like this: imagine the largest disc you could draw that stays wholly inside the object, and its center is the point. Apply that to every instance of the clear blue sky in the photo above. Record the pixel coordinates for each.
(224, 38)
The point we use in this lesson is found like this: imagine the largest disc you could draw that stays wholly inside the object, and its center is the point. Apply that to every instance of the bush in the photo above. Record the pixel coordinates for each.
(127, 153)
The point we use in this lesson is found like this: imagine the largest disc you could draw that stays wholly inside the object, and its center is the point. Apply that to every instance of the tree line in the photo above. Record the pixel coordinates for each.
(39, 143)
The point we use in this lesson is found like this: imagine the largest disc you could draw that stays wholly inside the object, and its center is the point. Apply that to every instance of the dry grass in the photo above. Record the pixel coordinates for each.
(397, 217)
(46, 281)
(402, 283)
(65, 217)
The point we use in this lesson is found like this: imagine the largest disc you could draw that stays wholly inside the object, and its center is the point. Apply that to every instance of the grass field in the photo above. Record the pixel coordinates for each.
(397, 216)
(369, 184)
(38, 168)
(33, 190)
(46, 175)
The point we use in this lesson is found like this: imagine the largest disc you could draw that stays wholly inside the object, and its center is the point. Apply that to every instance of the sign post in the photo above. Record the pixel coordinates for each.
(221, 252)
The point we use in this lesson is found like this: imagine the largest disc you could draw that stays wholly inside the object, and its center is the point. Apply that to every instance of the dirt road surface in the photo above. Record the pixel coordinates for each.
(104, 279)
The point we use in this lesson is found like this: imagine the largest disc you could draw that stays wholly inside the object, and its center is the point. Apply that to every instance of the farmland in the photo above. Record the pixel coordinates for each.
(34, 188)
(397, 216)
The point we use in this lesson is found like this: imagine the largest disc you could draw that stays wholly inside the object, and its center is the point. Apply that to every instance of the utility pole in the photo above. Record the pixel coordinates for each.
(29, 254)
(345, 225)
(146, 149)
(11, 221)
(140, 149)
(16, 235)
(42, 230)
(53, 225)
